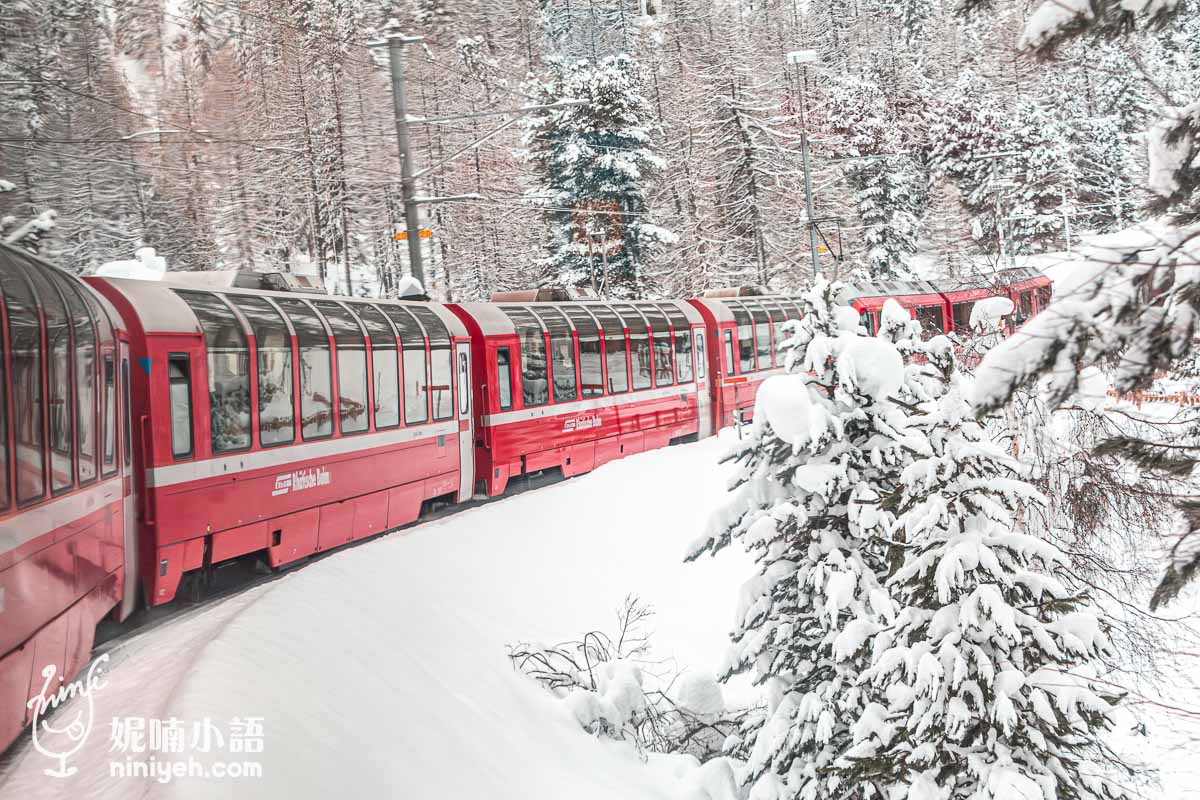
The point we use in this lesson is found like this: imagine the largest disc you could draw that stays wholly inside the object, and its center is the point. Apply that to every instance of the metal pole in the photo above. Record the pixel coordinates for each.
(1066, 220)
(407, 183)
(808, 201)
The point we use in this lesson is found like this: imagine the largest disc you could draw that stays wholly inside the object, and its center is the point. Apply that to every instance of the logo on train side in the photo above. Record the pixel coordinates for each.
(581, 423)
(300, 480)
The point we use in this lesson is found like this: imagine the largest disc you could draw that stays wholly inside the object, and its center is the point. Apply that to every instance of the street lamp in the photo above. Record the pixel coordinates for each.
(802, 58)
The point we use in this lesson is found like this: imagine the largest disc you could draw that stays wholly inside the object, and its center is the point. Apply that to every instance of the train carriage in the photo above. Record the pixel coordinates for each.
(747, 331)
(574, 385)
(286, 424)
(66, 494)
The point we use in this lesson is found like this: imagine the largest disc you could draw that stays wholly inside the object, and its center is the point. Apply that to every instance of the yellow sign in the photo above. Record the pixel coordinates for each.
(402, 236)
(822, 250)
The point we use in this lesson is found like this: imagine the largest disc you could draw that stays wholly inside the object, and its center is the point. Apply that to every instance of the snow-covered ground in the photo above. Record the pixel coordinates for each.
(381, 671)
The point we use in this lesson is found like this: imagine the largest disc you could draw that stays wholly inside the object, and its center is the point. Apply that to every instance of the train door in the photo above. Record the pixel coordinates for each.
(129, 491)
(704, 404)
(466, 445)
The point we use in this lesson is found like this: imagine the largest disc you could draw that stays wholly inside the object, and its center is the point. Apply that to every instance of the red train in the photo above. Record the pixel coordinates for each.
(150, 431)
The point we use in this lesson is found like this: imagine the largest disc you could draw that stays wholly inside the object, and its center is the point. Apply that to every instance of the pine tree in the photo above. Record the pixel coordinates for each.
(809, 501)
(888, 186)
(594, 162)
(982, 688)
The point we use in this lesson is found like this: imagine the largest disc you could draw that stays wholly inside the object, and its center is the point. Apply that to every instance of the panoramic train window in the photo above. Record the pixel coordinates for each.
(1044, 294)
(276, 414)
(316, 374)
(930, 318)
(562, 353)
(962, 316)
(179, 384)
(660, 335)
(746, 343)
(58, 379)
(228, 371)
(441, 362)
(384, 366)
(85, 387)
(640, 362)
(778, 317)
(504, 378)
(683, 343)
(591, 372)
(535, 384)
(763, 334)
(616, 359)
(416, 369)
(351, 366)
(110, 419)
(25, 342)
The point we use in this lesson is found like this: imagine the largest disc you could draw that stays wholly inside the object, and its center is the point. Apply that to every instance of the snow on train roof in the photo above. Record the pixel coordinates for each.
(161, 310)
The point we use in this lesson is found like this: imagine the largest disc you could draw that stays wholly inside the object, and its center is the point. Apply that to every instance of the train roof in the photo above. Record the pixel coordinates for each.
(35, 262)
(493, 321)
(161, 310)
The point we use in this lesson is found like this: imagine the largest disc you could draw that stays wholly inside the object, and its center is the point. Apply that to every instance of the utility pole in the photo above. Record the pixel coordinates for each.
(408, 189)
(808, 202)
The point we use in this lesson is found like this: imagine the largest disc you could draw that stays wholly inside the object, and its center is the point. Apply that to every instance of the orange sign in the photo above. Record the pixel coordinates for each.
(402, 236)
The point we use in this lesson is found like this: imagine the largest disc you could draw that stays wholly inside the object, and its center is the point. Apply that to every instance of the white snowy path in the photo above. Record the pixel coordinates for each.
(381, 671)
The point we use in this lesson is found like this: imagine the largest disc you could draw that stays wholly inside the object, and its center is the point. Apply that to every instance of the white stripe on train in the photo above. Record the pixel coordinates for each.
(26, 526)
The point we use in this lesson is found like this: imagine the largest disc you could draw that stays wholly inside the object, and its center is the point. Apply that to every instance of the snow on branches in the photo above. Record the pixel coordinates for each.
(914, 640)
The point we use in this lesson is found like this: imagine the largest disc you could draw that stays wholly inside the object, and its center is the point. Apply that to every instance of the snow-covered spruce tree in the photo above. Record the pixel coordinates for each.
(982, 688)
(593, 162)
(889, 190)
(809, 501)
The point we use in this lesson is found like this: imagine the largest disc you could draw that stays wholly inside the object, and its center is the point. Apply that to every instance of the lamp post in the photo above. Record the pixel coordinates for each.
(801, 58)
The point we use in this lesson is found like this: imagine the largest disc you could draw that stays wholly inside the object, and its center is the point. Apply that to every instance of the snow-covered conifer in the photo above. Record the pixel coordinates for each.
(810, 501)
(983, 686)
(593, 162)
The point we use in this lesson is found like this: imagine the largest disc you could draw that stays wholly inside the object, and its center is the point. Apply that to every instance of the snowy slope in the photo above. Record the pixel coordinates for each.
(381, 671)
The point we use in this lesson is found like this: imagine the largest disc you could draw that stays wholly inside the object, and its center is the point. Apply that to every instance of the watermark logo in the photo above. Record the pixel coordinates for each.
(300, 480)
(155, 749)
(60, 742)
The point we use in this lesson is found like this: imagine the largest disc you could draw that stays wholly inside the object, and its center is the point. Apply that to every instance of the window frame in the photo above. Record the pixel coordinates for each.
(256, 401)
(645, 335)
(507, 373)
(298, 349)
(108, 469)
(392, 345)
(186, 358)
(340, 314)
(730, 353)
(236, 323)
(40, 419)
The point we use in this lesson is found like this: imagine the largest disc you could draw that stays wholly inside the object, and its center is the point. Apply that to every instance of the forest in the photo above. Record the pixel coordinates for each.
(261, 134)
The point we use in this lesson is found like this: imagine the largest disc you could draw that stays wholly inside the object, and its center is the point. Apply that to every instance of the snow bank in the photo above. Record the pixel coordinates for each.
(381, 671)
